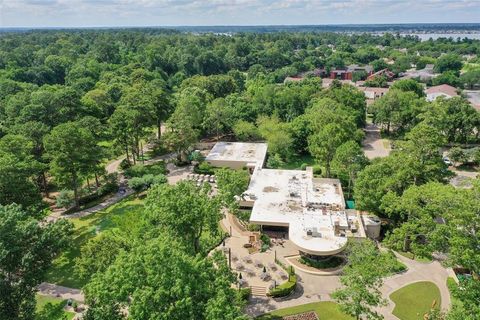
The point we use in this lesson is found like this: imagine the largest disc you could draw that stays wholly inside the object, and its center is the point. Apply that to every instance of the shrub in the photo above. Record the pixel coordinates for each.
(124, 164)
(304, 166)
(275, 161)
(110, 185)
(146, 181)
(196, 156)
(285, 288)
(159, 150)
(244, 294)
(140, 170)
(243, 215)
(65, 199)
(253, 227)
(329, 263)
(451, 284)
(317, 170)
(265, 239)
(204, 168)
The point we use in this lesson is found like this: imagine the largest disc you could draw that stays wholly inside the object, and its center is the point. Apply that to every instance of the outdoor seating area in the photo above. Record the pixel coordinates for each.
(256, 272)
(201, 178)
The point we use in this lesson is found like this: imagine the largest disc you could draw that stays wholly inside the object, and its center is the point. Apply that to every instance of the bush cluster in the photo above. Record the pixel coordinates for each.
(140, 170)
(285, 288)
(204, 168)
(332, 262)
(146, 181)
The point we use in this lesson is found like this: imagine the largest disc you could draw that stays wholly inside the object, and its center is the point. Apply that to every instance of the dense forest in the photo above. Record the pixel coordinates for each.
(70, 101)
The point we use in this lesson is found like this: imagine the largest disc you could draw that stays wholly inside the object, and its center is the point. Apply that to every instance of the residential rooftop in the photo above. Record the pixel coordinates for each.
(237, 154)
(312, 208)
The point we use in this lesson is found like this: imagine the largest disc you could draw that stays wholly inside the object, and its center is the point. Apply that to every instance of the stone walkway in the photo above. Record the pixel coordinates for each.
(417, 271)
(373, 144)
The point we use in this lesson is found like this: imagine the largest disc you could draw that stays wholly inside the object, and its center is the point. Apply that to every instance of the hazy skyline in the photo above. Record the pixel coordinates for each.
(99, 13)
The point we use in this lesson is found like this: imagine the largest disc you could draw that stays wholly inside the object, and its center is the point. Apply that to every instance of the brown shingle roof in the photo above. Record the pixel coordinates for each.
(443, 88)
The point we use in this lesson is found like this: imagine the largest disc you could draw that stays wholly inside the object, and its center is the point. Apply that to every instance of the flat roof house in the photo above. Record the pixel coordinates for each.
(443, 90)
(236, 155)
(312, 210)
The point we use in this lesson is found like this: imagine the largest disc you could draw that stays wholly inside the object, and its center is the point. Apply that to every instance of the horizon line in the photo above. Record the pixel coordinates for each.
(240, 25)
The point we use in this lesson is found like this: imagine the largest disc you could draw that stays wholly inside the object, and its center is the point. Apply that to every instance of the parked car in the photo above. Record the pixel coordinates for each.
(447, 161)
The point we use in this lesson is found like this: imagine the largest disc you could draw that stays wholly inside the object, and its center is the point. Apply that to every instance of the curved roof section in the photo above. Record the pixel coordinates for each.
(311, 208)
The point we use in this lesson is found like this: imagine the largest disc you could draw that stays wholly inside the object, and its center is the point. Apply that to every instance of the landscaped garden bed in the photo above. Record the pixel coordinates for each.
(325, 310)
(328, 263)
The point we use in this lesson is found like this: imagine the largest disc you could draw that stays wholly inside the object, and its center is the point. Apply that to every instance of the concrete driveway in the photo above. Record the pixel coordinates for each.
(373, 145)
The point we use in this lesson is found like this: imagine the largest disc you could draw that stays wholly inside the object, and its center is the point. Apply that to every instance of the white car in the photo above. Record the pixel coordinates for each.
(447, 161)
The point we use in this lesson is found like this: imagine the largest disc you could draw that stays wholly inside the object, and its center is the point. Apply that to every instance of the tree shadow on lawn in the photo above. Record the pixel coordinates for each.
(86, 228)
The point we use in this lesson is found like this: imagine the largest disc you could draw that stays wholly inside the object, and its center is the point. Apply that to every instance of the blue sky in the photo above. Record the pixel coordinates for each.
(91, 13)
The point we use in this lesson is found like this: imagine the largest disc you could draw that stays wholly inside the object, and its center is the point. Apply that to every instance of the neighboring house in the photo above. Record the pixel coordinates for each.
(347, 73)
(389, 75)
(443, 90)
(424, 74)
(318, 72)
(473, 96)
(373, 93)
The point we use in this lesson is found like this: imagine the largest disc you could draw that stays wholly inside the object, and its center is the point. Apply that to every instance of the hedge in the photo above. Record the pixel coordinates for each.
(285, 288)
(244, 294)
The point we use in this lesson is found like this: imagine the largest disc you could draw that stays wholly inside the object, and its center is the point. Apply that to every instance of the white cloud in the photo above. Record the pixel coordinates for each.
(211, 12)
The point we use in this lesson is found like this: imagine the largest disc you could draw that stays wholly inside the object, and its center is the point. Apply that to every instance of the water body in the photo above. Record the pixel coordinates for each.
(434, 36)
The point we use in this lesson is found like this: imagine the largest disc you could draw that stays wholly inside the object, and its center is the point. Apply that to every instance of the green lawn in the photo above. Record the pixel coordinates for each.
(410, 255)
(325, 310)
(414, 300)
(467, 67)
(297, 161)
(56, 306)
(86, 228)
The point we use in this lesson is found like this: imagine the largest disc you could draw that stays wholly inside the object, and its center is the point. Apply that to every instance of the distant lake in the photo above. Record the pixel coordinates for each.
(434, 36)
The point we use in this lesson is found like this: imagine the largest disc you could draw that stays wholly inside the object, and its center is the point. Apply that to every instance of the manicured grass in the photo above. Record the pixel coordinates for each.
(297, 161)
(86, 228)
(325, 310)
(410, 255)
(414, 300)
(57, 305)
(470, 67)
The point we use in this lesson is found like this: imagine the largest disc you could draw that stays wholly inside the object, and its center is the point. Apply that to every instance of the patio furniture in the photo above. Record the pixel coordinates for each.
(247, 259)
(258, 263)
(265, 276)
(239, 266)
(234, 257)
(283, 275)
(272, 266)
(250, 272)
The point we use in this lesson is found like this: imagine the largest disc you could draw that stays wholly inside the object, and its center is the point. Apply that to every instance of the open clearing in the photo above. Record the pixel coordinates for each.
(86, 228)
(414, 300)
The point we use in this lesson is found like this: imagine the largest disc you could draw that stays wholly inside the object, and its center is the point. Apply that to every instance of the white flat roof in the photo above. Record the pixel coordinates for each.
(244, 152)
(296, 199)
